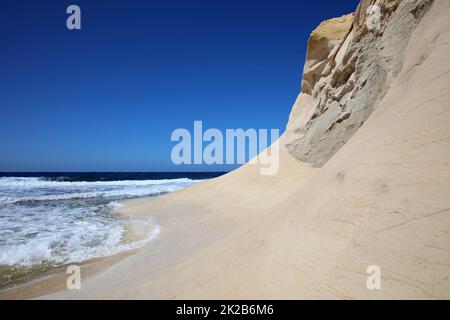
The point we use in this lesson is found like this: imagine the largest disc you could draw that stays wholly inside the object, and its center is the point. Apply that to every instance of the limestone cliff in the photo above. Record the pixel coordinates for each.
(377, 194)
(351, 61)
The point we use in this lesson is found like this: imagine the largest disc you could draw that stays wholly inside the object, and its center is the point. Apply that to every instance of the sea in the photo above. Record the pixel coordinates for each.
(48, 220)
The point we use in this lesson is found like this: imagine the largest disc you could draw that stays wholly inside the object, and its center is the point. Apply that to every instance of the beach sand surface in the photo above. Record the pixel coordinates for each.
(311, 232)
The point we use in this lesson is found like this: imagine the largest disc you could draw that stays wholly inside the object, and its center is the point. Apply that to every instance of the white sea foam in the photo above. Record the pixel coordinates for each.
(84, 240)
(36, 182)
(14, 189)
(57, 222)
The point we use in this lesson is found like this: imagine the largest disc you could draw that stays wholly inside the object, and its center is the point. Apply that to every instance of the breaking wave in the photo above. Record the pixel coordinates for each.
(44, 221)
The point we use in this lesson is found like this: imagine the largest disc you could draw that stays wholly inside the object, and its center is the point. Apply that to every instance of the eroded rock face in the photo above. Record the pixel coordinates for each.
(350, 63)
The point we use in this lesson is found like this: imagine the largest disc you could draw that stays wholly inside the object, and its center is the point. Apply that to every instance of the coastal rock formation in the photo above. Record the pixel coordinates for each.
(350, 64)
(371, 129)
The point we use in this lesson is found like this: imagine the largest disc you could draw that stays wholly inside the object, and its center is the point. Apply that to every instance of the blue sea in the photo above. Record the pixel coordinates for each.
(53, 219)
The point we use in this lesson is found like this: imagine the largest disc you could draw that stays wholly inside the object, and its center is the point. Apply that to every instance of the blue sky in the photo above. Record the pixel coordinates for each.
(107, 97)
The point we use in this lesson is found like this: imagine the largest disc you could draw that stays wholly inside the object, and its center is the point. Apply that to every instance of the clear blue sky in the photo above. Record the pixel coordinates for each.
(107, 97)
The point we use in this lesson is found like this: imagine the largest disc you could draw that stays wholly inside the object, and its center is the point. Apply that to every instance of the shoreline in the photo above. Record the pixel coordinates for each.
(315, 229)
(189, 226)
(260, 241)
(53, 279)
(199, 233)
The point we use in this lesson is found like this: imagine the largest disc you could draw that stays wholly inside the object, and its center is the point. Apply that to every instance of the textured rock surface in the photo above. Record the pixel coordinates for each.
(309, 232)
(348, 69)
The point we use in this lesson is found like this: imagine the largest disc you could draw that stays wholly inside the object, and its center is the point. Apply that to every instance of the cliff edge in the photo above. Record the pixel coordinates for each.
(364, 182)
(350, 64)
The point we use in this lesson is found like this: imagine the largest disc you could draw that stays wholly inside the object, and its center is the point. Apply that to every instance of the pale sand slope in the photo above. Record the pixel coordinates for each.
(311, 232)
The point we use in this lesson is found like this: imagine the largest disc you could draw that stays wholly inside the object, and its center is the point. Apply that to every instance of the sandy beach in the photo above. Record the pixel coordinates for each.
(312, 229)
